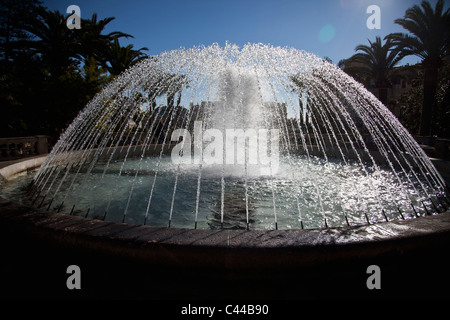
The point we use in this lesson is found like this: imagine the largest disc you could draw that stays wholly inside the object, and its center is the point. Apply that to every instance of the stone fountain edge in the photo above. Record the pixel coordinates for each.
(223, 249)
(218, 249)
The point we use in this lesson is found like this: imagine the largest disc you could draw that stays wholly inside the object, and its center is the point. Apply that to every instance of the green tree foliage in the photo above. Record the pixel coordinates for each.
(428, 39)
(116, 58)
(14, 18)
(48, 71)
(375, 61)
(411, 104)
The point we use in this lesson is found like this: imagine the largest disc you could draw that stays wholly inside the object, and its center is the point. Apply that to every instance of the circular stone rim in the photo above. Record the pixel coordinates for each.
(223, 248)
(229, 249)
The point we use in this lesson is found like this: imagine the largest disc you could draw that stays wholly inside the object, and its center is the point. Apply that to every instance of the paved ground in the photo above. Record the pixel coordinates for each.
(38, 270)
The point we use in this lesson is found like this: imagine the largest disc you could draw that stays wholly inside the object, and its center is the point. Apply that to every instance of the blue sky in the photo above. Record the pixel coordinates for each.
(330, 28)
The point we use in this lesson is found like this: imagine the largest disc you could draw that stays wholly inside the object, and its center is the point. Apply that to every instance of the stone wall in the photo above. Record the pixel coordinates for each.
(21, 147)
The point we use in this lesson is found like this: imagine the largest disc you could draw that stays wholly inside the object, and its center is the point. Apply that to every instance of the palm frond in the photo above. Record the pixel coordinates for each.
(429, 36)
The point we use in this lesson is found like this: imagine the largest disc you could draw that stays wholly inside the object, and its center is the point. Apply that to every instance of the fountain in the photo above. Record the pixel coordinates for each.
(253, 138)
(237, 159)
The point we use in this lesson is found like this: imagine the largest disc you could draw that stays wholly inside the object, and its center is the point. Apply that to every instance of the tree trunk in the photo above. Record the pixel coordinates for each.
(382, 95)
(170, 100)
(179, 98)
(429, 101)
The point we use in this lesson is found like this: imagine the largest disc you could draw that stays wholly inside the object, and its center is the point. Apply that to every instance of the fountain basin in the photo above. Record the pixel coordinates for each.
(226, 249)
(317, 262)
(346, 196)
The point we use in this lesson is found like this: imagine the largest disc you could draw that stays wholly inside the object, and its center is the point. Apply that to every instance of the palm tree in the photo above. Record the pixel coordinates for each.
(94, 42)
(375, 61)
(14, 15)
(429, 39)
(117, 59)
(61, 48)
(56, 45)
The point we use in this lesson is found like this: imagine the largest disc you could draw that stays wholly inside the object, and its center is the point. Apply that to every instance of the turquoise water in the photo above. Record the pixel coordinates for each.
(309, 194)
